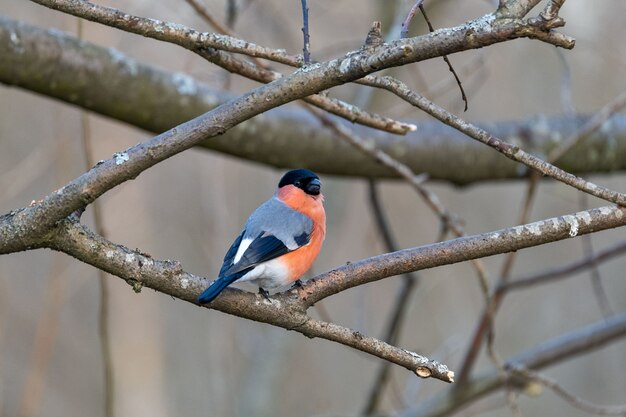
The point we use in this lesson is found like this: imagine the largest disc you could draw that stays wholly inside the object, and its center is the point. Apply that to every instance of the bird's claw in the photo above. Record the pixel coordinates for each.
(297, 284)
(264, 293)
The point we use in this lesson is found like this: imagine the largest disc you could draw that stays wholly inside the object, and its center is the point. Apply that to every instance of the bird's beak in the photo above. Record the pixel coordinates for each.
(314, 187)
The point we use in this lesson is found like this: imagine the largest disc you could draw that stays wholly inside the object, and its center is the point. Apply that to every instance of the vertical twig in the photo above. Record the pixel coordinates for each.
(305, 32)
(404, 33)
(103, 313)
(446, 60)
(401, 303)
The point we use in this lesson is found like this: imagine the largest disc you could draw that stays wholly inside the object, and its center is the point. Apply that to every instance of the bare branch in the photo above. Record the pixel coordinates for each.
(510, 151)
(551, 352)
(433, 202)
(176, 98)
(126, 165)
(404, 32)
(485, 323)
(212, 46)
(285, 310)
(462, 249)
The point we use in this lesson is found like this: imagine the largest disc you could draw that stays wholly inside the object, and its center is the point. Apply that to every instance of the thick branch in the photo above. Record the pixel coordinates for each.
(463, 249)
(285, 310)
(288, 310)
(41, 216)
(109, 83)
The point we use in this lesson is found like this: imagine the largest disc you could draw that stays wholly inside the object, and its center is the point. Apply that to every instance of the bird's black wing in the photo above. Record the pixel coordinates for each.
(230, 255)
(263, 248)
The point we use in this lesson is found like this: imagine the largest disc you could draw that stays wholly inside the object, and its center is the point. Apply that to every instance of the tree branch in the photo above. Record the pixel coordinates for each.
(551, 352)
(285, 310)
(511, 151)
(38, 218)
(58, 65)
(462, 249)
(288, 310)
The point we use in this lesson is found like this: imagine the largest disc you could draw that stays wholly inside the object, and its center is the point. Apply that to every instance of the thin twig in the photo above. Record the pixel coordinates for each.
(103, 313)
(405, 31)
(510, 395)
(447, 60)
(494, 300)
(510, 151)
(306, 53)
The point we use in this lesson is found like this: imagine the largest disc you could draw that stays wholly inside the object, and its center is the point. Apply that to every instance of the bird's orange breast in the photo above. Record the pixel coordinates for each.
(300, 260)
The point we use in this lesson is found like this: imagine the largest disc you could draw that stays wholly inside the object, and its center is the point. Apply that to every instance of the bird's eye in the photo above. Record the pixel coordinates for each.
(297, 184)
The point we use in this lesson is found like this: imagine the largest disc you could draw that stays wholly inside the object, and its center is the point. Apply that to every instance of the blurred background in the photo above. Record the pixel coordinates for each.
(171, 358)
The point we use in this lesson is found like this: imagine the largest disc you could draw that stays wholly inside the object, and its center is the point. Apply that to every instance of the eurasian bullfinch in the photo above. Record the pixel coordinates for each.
(280, 240)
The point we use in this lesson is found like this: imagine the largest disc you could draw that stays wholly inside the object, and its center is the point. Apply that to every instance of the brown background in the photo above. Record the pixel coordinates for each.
(171, 358)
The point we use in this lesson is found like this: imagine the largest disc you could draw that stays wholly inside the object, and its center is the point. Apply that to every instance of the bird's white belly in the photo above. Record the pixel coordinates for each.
(268, 275)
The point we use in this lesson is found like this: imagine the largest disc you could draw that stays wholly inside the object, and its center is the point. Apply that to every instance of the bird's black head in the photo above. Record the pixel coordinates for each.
(303, 179)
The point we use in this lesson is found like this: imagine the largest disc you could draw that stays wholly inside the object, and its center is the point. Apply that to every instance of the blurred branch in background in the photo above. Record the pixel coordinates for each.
(215, 49)
(396, 317)
(103, 314)
(173, 98)
(550, 352)
(572, 141)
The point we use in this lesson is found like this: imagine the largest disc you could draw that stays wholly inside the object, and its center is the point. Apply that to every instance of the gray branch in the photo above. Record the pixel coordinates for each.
(288, 310)
(564, 347)
(107, 82)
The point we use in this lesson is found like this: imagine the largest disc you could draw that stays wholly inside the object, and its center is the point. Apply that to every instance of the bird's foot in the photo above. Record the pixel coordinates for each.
(264, 293)
(297, 284)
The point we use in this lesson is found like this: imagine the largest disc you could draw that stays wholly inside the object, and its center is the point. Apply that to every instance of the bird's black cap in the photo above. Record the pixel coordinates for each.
(303, 179)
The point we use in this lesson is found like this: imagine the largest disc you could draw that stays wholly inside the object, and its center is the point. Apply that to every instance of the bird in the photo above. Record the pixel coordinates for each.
(280, 240)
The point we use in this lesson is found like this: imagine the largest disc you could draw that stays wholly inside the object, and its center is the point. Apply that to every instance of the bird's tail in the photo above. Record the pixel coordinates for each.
(218, 286)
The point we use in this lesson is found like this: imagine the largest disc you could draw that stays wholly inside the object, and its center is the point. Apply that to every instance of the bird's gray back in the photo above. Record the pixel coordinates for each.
(276, 218)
